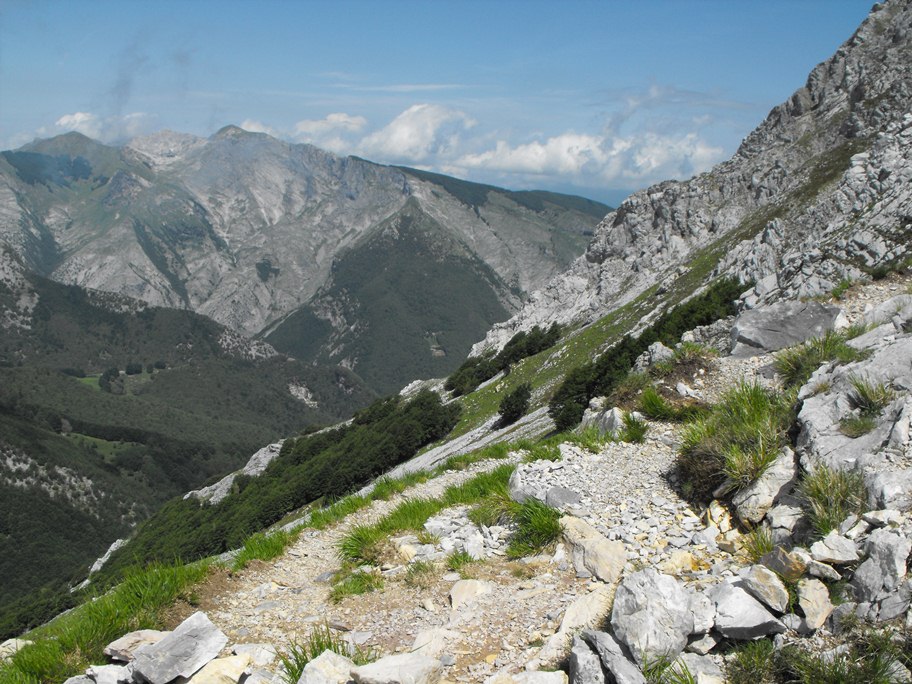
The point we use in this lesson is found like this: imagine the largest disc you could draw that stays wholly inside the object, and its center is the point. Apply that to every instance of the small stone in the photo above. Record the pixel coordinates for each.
(784, 564)
(466, 591)
(814, 600)
(835, 549)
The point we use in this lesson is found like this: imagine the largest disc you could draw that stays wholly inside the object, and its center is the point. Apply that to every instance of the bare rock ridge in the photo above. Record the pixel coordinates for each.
(818, 192)
(245, 228)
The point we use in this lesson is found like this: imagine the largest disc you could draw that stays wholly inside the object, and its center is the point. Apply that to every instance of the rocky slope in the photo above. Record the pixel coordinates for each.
(817, 193)
(247, 229)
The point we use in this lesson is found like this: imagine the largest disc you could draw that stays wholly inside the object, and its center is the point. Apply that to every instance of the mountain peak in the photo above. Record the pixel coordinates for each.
(231, 131)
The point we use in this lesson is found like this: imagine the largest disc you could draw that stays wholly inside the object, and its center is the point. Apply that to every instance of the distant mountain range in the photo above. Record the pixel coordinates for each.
(316, 251)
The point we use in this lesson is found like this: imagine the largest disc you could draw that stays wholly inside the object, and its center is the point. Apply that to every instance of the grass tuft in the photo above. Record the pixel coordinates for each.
(355, 583)
(856, 426)
(870, 398)
(264, 546)
(752, 662)
(738, 439)
(298, 653)
(422, 574)
(830, 496)
(796, 364)
(538, 527)
(634, 429)
(459, 560)
(757, 543)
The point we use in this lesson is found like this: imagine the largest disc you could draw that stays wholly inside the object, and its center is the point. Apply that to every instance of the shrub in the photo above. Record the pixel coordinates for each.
(830, 496)
(603, 375)
(515, 404)
(654, 405)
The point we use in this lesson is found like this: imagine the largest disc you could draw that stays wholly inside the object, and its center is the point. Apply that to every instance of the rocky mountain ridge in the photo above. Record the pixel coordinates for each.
(245, 228)
(816, 194)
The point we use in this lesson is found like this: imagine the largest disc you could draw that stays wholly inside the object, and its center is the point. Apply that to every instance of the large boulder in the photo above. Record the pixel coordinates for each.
(740, 616)
(754, 501)
(614, 660)
(222, 670)
(404, 668)
(652, 615)
(774, 327)
(592, 552)
(327, 668)
(181, 653)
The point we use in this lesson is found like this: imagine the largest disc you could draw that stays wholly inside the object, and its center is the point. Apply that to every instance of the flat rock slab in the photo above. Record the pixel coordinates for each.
(222, 670)
(194, 643)
(465, 591)
(764, 585)
(782, 325)
(556, 677)
(125, 648)
(834, 549)
(405, 668)
(814, 600)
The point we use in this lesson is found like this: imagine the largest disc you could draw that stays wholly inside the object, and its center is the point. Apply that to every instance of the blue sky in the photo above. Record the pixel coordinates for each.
(583, 96)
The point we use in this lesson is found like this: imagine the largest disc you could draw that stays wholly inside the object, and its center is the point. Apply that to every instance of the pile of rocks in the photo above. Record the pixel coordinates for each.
(190, 652)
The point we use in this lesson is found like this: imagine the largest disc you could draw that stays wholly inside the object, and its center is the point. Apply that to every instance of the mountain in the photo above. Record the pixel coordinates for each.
(269, 237)
(110, 406)
(818, 193)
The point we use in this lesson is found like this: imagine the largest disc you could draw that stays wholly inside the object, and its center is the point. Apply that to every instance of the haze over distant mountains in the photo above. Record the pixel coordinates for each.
(251, 231)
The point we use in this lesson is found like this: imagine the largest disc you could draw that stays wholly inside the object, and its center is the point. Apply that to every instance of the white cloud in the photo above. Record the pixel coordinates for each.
(422, 132)
(338, 121)
(621, 161)
(254, 126)
(105, 129)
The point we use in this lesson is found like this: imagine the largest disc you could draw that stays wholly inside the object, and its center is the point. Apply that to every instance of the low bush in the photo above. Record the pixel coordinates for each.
(515, 404)
(603, 375)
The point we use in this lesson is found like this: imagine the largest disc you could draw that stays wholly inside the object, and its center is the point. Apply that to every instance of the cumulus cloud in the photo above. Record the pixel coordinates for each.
(625, 160)
(335, 132)
(421, 133)
(254, 126)
(105, 129)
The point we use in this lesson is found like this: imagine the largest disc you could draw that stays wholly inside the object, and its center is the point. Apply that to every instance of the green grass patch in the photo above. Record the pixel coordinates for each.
(870, 398)
(75, 640)
(297, 654)
(354, 584)
(796, 364)
(264, 546)
(538, 528)
(830, 496)
(752, 663)
(856, 426)
(422, 574)
(738, 440)
(457, 561)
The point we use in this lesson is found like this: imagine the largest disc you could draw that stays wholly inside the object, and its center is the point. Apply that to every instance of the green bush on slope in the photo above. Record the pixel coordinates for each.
(601, 376)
